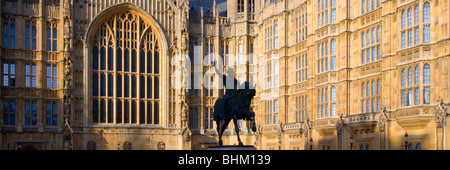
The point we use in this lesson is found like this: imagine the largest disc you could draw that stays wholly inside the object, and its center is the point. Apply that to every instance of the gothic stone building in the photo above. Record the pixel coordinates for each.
(331, 74)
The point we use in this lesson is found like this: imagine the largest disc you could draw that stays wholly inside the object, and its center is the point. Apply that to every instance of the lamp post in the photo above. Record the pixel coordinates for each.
(310, 144)
(406, 140)
(118, 146)
(351, 142)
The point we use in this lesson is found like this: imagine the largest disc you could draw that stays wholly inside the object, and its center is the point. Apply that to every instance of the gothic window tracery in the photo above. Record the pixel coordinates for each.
(125, 71)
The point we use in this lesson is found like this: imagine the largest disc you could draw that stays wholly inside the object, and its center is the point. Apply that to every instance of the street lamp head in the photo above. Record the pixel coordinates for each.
(351, 139)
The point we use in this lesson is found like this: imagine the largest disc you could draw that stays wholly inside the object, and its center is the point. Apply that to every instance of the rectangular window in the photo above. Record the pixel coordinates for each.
(333, 63)
(51, 113)
(9, 74)
(378, 104)
(30, 75)
(30, 112)
(426, 34)
(52, 76)
(378, 53)
(416, 96)
(403, 99)
(363, 106)
(333, 15)
(30, 35)
(9, 33)
(416, 35)
(9, 112)
(426, 95)
(409, 38)
(403, 39)
(333, 109)
(410, 97)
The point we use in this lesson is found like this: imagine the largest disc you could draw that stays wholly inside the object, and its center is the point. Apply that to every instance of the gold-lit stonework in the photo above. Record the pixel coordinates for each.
(330, 74)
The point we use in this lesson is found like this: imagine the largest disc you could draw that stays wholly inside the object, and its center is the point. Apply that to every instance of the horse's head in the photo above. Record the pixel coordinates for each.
(249, 92)
(251, 118)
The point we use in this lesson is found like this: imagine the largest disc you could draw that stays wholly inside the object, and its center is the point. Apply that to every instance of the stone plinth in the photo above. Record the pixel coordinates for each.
(232, 147)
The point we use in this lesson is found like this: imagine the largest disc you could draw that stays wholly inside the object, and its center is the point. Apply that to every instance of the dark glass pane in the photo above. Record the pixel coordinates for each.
(126, 112)
(102, 85)
(133, 61)
(49, 45)
(13, 119)
(27, 107)
(12, 106)
(95, 58)
(102, 58)
(55, 33)
(110, 111)
(142, 61)
(27, 119)
(34, 107)
(142, 112)
(133, 112)
(95, 84)
(119, 85)
(142, 87)
(94, 112)
(133, 86)
(33, 119)
(119, 111)
(102, 111)
(149, 62)
(149, 113)
(110, 85)
(49, 33)
(55, 45)
(49, 112)
(126, 89)
(27, 43)
(156, 84)
(5, 119)
(149, 87)
(156, 63)
(5, 106)
(156, 113)
(110, 59)
(119, 60)
(33, 34)
(126, 60)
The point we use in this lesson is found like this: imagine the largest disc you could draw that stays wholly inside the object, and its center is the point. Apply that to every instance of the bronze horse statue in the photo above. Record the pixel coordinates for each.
(235, 104)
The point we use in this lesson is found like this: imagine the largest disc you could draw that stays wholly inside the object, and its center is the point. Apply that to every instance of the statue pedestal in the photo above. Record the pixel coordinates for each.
(231, 147)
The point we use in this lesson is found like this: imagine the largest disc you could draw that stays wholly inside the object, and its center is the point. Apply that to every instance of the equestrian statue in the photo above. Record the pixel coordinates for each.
(234, 105)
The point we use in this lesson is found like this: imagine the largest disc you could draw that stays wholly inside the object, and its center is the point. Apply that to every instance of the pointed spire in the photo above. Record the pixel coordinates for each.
(214, 8)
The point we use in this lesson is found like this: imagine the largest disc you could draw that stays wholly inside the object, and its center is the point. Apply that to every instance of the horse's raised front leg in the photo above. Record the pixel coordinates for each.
(236, 127)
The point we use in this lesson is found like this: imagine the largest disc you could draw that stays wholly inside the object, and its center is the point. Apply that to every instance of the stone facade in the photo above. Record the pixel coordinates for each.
(331, 74)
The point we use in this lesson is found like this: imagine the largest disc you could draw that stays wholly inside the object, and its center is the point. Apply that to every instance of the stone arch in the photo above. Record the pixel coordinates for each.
(96, 23)
(30, 147)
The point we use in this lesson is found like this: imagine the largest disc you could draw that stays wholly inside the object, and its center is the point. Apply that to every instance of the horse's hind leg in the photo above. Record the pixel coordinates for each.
(222, 129)
(236, 127)
(218, 132)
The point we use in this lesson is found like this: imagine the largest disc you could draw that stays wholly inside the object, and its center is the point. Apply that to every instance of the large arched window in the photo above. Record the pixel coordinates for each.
(125, 56)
